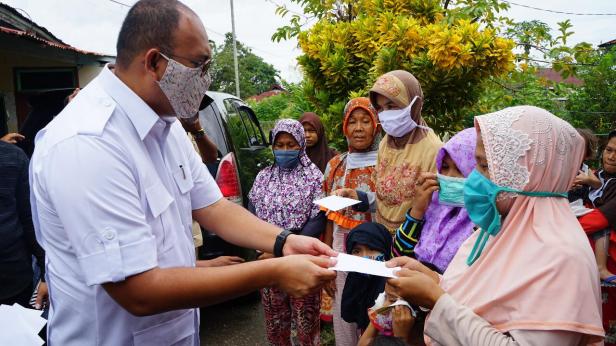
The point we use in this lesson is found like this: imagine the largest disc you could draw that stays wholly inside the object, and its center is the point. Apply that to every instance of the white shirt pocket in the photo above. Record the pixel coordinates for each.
(159, 200)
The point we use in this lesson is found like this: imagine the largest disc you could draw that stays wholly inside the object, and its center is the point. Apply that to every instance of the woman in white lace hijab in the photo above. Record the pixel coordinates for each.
(528, 276)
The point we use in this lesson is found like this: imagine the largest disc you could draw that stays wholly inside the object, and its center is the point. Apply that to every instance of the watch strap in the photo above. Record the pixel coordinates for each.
(281, 239)
(199, 133)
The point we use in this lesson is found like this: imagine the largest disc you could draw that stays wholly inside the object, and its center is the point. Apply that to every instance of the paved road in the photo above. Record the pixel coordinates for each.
(237, 323)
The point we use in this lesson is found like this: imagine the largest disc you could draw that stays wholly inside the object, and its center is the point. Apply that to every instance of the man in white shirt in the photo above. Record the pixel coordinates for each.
(115, 184)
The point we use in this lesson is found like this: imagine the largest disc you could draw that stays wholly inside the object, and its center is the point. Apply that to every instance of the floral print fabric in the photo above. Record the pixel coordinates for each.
(291, 321)
(396, 173)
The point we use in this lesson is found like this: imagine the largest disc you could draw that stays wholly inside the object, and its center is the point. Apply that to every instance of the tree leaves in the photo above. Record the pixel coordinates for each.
(451, 58)
(256, 76)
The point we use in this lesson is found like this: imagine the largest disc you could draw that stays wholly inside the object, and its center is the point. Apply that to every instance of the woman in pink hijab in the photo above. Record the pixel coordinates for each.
(528, 276)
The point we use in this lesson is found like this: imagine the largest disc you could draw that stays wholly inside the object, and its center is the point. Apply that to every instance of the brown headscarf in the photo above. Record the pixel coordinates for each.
(401, 87)
(320, 153)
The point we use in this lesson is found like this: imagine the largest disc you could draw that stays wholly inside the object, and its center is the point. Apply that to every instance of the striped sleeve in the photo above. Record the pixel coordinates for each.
(407, 237)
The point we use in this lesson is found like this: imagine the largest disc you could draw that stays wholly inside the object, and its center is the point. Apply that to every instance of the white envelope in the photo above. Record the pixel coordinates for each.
(20, 326)
(350, 263)
(335, 203)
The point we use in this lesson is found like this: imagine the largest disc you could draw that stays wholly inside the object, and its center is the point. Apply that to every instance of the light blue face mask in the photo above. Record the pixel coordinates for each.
(451, 190)
(380, 257)
(480, 200)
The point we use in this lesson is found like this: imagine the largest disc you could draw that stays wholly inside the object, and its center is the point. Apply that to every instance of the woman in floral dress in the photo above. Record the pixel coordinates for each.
(282, 194)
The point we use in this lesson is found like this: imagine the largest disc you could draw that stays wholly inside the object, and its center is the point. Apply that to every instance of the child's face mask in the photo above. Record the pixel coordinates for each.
(451, 190)
(380, 318)
(383, 322)
(379, 257)
(364, 251)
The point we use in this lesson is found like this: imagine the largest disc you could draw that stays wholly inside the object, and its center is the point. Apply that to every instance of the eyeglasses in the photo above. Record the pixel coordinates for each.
(204, 67)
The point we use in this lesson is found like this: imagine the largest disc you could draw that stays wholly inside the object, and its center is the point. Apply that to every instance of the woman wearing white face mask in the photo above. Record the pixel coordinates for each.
(408, 149)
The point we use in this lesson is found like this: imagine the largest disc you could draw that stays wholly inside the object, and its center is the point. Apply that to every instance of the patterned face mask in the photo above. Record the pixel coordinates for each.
(184, 87)
(383, 321)
(381, 316)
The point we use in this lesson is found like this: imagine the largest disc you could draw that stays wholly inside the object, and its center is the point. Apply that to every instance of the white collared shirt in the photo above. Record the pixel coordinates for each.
(113, 186)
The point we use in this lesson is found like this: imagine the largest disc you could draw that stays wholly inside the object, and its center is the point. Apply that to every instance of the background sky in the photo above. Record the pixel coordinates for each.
(94, 24)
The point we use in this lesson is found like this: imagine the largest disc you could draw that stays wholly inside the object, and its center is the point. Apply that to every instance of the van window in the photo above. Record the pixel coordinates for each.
(230, 107)
(254, 134)
(211, 124)
(244, 130)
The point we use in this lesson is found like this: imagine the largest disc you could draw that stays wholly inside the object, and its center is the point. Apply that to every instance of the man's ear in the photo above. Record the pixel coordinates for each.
(153, 64)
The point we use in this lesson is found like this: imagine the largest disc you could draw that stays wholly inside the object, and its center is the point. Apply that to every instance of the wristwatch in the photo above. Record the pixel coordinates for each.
(199, 133)
(280, 240)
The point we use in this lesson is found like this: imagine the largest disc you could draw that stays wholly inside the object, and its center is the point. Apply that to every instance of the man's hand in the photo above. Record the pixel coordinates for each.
(427, 184)
(348, 193)
(12, 138)
(416, 288)
(191, 124)
(302, 245)
(403, 322)
(413, 264)
(220, 261)
(70, 97)
(300, 275)
(42, 296)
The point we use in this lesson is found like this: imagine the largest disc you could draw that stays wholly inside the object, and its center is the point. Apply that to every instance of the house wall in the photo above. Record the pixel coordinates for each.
(11, 60)
(87, 73)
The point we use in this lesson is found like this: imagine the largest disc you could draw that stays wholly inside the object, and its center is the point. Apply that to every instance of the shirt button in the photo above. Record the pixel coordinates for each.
(109, 235)
(106, 102)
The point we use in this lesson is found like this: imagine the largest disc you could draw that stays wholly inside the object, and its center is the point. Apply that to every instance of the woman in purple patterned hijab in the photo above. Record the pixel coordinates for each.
(443, 227)
(283, 195)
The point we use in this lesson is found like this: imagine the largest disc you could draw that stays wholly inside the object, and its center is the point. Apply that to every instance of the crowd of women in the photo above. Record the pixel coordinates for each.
(491, 250)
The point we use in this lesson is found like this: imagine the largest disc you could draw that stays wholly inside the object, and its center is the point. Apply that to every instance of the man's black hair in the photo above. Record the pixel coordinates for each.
(148, 24)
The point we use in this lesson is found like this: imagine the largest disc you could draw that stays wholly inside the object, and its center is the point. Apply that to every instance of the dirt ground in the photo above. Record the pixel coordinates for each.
(238, 323)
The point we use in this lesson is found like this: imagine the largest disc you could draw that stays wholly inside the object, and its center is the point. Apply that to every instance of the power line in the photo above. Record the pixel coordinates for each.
(552, 62)
(285, 7)
(559, 12)
(215, 32)
(120, 3)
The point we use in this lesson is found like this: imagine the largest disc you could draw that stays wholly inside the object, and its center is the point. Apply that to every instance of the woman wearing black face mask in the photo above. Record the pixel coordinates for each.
(282, 194)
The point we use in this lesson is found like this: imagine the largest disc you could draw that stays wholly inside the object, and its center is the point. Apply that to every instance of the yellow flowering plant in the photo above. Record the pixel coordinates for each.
(451, 48)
